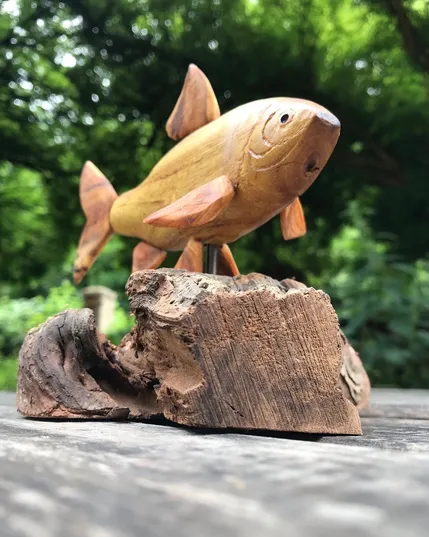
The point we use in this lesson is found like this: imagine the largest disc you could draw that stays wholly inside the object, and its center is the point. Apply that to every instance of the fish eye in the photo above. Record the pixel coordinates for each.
(284, 118)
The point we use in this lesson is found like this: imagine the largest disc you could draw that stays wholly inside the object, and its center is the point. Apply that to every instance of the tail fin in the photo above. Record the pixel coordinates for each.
(96, 198)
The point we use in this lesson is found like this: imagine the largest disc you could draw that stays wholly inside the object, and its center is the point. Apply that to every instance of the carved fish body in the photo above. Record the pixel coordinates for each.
(228, 176)
(268, 163)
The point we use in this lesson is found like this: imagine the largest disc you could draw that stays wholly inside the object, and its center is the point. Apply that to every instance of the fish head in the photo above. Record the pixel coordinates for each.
(292, 142)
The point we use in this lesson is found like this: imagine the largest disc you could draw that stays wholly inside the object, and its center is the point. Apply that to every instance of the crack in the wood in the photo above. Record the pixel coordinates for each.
(234, 409)
(153, 384)
(62, 343)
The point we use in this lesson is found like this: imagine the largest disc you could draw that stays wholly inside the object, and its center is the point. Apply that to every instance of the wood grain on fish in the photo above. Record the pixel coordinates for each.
(227, 176)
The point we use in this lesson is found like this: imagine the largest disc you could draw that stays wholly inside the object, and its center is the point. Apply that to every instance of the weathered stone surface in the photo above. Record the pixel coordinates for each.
(101, 479)
(411, 404)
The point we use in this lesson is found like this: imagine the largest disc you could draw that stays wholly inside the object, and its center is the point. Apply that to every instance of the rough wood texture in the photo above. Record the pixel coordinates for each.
(241, 353)
(67, 369)
(354, 379)
(270, 151)
(208, 351)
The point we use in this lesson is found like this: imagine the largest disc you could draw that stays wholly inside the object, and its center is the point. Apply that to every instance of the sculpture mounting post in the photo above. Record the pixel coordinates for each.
(210, 259)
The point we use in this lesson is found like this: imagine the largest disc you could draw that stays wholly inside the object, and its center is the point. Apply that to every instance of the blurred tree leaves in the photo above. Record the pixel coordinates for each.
(96, 79)
(383, 303)
(93, 79)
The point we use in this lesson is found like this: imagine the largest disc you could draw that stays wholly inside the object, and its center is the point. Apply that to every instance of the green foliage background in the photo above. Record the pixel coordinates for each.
(96, 79)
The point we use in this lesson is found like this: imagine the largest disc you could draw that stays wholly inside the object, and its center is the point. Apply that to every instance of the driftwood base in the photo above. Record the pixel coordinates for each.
(208, 351)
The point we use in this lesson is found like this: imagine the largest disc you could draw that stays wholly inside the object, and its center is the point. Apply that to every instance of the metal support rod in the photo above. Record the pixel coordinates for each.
(210, 259)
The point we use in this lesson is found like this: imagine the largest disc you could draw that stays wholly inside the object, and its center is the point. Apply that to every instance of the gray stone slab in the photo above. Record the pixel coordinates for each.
(388, 433)
(394, 396)
(7, 399)
(396, 419)
(92, 479)
(404, 404)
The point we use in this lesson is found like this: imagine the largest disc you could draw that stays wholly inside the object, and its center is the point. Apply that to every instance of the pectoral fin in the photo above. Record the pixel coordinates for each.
(292, 221)
(197, 105)
(197, 208)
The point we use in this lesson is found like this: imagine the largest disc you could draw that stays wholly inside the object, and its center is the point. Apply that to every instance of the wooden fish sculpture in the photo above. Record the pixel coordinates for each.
(227, 176)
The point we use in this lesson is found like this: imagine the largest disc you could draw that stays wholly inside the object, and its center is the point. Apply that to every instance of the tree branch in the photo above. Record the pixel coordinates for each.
(409, 33)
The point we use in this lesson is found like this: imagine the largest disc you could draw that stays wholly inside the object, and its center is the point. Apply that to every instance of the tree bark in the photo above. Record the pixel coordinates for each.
(207, 351)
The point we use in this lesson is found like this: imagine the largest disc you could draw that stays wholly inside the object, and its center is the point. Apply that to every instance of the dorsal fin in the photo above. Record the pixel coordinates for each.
(196, 106)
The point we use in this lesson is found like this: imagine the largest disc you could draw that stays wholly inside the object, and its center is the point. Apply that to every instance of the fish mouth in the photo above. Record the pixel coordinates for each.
(328, 119)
